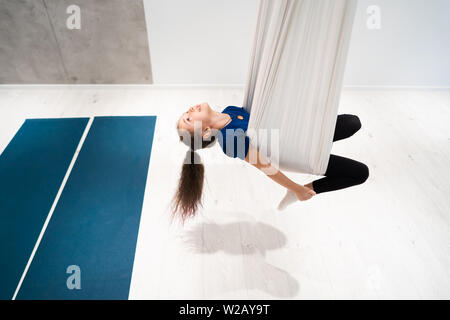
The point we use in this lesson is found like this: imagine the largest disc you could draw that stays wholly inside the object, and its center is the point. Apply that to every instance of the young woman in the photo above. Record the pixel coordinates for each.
(204, 123)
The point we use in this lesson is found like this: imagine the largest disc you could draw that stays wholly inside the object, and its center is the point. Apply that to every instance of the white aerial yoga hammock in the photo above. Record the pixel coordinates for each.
(295, 79)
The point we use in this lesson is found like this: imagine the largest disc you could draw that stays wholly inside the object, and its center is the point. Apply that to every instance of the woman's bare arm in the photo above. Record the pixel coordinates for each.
(254, 158)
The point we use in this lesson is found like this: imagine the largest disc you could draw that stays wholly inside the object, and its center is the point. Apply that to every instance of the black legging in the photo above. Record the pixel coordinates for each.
(342, 172)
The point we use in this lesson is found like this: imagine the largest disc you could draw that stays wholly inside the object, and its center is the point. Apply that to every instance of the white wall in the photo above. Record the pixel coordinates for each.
(200, 41)
(209, 42)
(412, 48)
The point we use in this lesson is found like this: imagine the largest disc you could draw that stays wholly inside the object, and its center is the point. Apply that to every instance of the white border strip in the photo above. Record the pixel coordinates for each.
(49, 216)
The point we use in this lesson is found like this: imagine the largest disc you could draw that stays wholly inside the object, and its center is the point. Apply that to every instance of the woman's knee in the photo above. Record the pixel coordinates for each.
(355, 122)
(362, 173)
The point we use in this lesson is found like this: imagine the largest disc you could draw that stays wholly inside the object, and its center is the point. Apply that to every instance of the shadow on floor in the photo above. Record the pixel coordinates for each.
(252, 240)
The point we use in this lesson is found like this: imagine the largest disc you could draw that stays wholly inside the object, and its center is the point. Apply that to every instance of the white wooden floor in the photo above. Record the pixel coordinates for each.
(386, 239)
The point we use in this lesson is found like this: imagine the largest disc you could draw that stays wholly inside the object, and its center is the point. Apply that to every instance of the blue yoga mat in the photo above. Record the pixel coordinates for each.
(32, 168)
(93, 231)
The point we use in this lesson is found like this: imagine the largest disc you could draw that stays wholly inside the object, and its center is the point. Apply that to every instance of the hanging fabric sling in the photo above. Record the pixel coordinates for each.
(295, 79)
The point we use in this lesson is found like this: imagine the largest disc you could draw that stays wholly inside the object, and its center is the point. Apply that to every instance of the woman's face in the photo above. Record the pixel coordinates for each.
(200, 112)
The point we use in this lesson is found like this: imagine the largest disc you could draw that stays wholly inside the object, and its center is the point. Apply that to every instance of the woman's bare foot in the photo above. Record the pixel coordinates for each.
(305, 194)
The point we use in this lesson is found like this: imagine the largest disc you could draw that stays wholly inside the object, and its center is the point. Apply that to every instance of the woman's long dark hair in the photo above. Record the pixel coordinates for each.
(188, 196)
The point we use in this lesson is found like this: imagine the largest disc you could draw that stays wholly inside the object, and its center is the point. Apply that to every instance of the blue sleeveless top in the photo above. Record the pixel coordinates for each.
(233, 138)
